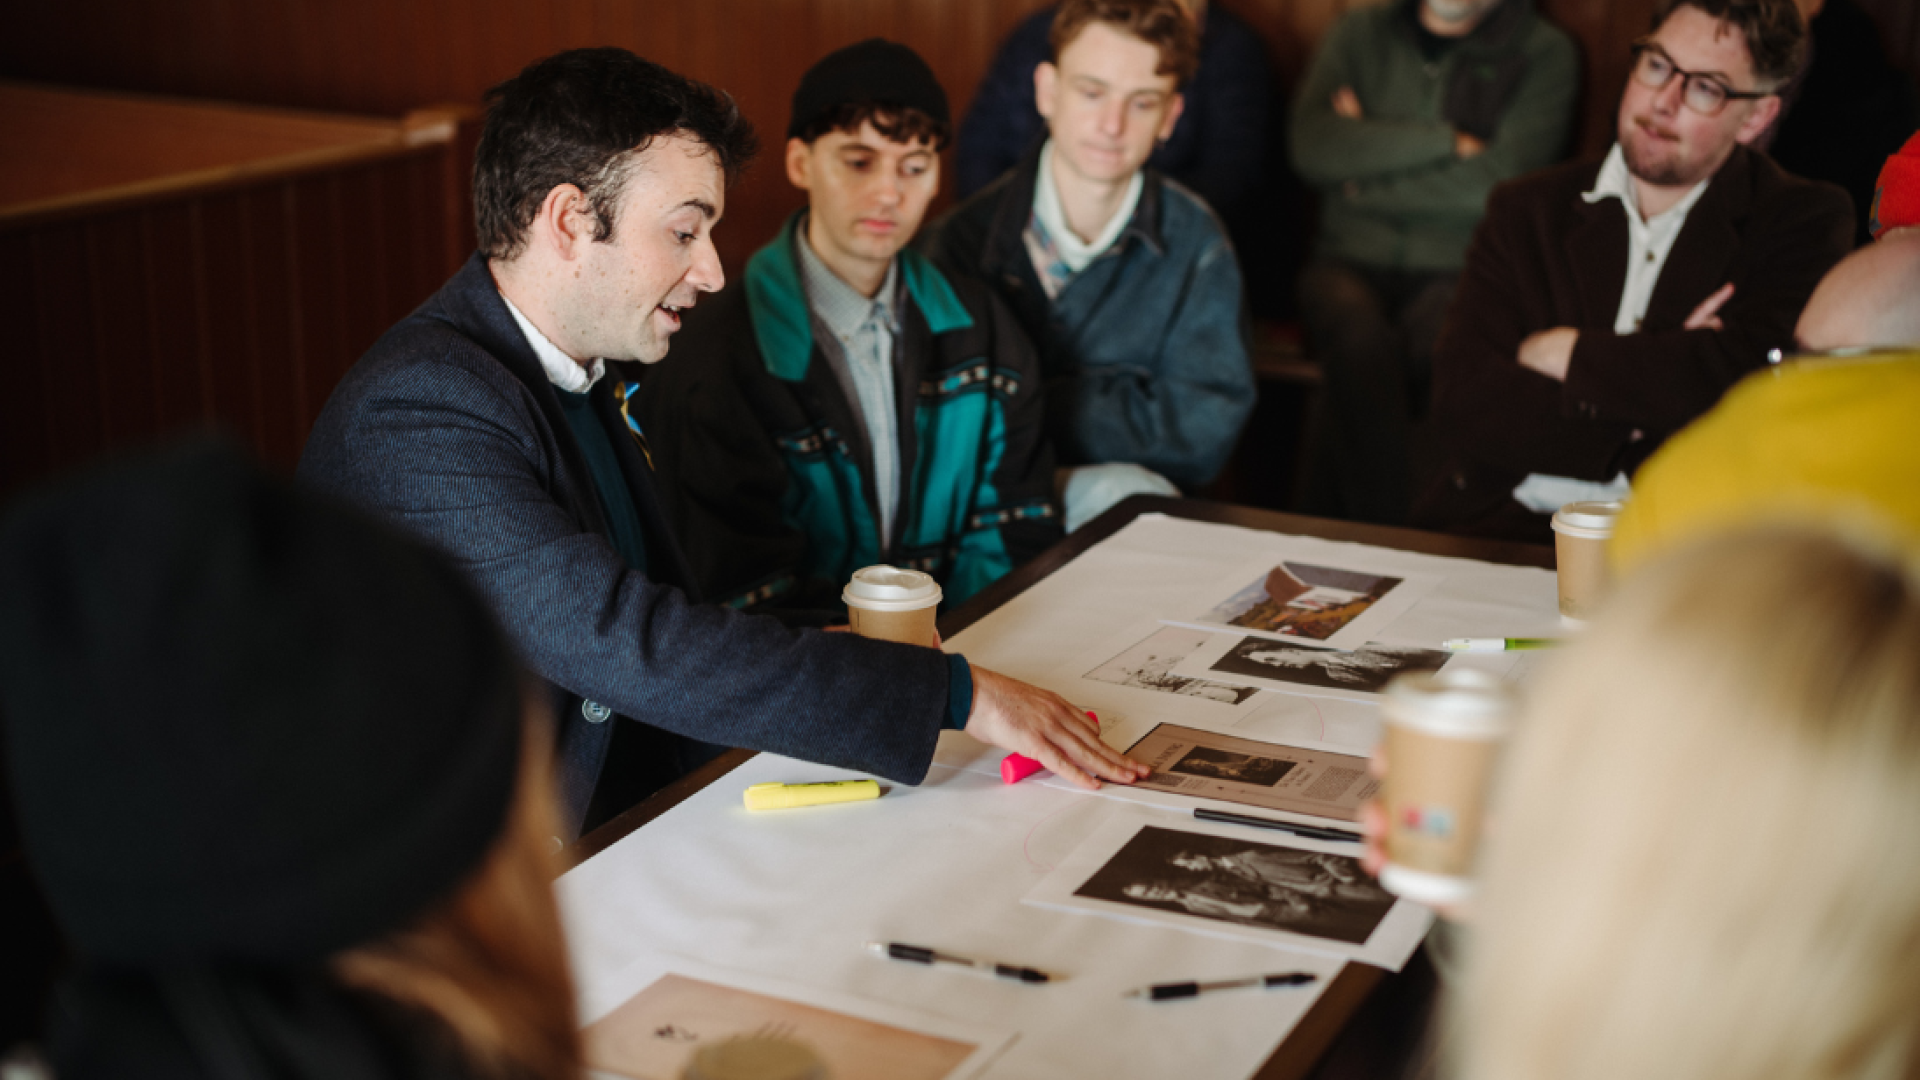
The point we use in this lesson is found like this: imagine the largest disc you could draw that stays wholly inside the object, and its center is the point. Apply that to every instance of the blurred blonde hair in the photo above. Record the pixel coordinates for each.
(489, 963)
(1705, 858)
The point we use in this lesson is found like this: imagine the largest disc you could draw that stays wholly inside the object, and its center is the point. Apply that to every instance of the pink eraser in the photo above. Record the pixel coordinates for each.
(1015, 768)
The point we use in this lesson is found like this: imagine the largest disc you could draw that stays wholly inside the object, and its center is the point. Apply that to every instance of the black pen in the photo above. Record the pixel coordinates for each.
(1311, 832)
(920, 954)
(1170, 991)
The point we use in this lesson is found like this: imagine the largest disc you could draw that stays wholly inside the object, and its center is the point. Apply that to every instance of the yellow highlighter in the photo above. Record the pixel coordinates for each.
(776, 796)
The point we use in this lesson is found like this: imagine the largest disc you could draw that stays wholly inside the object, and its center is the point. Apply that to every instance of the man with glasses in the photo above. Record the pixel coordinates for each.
(1604, 306)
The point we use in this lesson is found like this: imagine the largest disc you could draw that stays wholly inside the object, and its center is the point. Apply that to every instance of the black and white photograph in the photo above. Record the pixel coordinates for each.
(1218, 764)
(1365, 670)
(1148, 665)
(1245, 882)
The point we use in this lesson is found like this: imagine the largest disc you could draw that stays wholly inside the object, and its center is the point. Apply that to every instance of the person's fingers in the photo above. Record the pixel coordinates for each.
(1080, 740)
(1704, 317)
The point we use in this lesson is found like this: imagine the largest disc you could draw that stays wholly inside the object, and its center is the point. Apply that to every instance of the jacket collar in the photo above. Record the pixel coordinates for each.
(471, 302)
(1003, 248)
(1701, 253)
(777, 302)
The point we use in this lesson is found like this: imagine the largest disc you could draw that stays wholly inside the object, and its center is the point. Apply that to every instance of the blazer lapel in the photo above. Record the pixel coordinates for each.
(1597, 251)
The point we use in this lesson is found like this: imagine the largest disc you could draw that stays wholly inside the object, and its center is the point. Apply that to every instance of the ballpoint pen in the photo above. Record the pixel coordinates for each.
(920, 954)
(1170, 991)
(1311, 832)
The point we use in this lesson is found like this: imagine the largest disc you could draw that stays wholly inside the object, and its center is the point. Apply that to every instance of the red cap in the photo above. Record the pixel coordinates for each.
(1896, 198)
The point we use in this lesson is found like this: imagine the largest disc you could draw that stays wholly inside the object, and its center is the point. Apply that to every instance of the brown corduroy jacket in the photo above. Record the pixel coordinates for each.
(1544, 257)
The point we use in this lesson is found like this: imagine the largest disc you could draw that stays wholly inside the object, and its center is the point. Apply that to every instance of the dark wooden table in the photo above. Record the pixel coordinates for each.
(1381, 1015)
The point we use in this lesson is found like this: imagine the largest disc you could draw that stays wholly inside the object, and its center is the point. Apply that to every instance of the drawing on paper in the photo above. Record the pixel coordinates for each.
(1367, 669)
(656, 1033)
(1226, 879)
(1149, 666)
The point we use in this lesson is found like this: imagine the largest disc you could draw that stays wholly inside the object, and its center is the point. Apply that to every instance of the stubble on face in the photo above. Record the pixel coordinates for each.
(628, 291)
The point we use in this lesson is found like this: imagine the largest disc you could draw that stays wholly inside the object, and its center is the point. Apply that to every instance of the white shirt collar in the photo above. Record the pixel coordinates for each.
(562, 370)
(1615, 182)
(1053, 216)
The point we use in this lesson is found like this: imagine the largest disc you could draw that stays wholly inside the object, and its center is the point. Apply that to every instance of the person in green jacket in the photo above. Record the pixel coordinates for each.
(1409, 115)
(846, 403)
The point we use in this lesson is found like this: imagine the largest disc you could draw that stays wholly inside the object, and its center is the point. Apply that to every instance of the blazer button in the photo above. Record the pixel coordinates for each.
(595, 712)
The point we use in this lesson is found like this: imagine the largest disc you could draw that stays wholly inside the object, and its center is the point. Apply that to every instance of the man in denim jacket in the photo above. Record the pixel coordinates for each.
(1125, 280)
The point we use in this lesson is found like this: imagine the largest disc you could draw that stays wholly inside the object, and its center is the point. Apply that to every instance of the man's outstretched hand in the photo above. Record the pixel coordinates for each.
(1041, 725)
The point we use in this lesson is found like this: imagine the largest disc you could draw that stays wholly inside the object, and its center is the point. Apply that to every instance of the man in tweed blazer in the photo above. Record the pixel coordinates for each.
(483, 423)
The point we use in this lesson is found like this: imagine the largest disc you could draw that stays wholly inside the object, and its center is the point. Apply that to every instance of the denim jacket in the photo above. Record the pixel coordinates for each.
(1144, 352)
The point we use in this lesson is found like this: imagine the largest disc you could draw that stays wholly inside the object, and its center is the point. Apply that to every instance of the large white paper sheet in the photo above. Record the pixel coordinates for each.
(795, 895)
(742, 1003)
(1220, 881)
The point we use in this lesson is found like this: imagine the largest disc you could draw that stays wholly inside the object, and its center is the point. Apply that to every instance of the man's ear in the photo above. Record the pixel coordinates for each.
(1174, 109)
(1046, 83)
(564, 221)
(1765, 111)
(799, 153)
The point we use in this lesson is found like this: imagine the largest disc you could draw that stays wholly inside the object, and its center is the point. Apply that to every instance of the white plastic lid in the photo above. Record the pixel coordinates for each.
(1464, 703)
(889, 588)
(1590, 520)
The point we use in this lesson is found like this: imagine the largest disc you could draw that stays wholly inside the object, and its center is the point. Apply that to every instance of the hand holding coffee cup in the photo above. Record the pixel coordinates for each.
(1444, 733)
(891, 604)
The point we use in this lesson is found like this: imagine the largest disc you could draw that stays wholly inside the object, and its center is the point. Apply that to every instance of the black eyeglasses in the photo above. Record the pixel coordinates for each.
(1704, 94)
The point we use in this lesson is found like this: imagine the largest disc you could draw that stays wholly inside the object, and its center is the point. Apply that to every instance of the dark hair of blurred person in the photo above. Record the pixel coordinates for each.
(275, 775)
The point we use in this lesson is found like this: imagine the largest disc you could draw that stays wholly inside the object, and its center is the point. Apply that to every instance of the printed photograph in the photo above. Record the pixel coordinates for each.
(1227, 879)
(1366, 669)
(1227, 765)
(1303, 600)
(1149, 666)
(656, 1033)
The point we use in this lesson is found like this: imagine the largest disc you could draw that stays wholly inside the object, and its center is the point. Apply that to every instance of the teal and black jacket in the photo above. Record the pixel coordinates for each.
(766, 468)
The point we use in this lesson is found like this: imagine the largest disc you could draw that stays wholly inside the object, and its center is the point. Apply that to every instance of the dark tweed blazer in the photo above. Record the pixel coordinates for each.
(449, 427)
(1544, 257)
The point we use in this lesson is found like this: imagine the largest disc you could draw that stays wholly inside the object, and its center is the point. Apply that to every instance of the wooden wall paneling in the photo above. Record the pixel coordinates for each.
(270, 341)
(63, 348)
(172, 264)
(121, 327)
(23, 439)
(324, 343)
(228, 290)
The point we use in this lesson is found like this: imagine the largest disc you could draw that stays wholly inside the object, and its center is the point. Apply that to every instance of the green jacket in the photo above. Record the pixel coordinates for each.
(766, 468)
(1393, 194)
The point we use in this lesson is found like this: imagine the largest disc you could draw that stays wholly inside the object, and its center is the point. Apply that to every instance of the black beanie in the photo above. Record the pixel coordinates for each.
(875, 71)
(244, 723)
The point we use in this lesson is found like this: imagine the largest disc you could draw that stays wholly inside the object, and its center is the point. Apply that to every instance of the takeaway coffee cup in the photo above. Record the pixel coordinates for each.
(1580, 534)
(1444, 734)
(892, 604)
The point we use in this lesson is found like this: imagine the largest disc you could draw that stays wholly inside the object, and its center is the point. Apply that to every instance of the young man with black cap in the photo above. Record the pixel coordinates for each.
(847, 403)
(484, 423)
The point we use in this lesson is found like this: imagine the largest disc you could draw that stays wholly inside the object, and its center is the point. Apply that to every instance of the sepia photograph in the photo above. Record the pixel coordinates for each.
(1227, 879)
(1214, 765)
(1303, 600)
(1149, 665)
(1365, 670)
(657, 1032)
